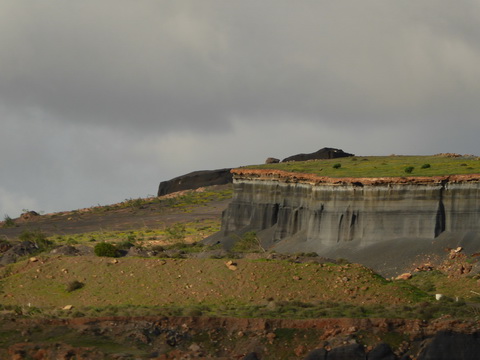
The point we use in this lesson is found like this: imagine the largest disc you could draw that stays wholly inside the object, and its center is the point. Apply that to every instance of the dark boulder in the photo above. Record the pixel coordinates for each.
(141, 252)
(68, 250)
(347, 352)
(272, 160)
(382, 352)
(251, 356)
(18, 250)
(325, 153)
(195, 180)
(28, 215)
(317, 354)
(447, 345)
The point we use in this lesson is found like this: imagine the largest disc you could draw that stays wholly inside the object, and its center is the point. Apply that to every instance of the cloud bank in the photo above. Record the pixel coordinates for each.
(100, 100)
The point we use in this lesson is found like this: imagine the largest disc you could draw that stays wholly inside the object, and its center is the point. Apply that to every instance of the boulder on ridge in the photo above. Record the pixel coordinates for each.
(325, 153)
(195, 180)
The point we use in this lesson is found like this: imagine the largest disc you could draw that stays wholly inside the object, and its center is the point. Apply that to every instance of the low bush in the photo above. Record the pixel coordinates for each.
(249, 242)
(38, 238)
(176, 232)
(409, 169)
(337, 166)
(106, 250)
(425, 166)
(125, 245)
(8, 222)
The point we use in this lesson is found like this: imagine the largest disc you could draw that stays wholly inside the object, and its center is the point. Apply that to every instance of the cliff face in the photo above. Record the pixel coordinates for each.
(321, 212)
(195, 180)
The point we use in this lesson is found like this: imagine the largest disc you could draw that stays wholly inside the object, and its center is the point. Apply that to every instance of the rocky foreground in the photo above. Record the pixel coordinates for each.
(230, 338)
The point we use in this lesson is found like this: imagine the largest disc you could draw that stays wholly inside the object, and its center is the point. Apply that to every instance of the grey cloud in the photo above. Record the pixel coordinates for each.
(101, 99)
(181, 65)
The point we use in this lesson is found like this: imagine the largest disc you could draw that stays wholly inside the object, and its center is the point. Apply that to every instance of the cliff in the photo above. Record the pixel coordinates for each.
(302, 212)
(195, 180)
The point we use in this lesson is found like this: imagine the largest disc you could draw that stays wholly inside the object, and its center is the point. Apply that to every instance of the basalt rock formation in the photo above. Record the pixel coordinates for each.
(195, 180)
(325, 153)
(202, 178)
(301, 212)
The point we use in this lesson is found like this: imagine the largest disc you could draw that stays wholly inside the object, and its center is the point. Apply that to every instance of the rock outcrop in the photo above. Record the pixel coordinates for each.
(195, 180)
(325, 153)
(235, 338)
(302, 212)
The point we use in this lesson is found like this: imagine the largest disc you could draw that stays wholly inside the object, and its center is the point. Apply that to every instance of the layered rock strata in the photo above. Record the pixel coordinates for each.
(321, 212)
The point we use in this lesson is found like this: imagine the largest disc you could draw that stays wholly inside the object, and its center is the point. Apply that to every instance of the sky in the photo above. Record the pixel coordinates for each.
(100, 100)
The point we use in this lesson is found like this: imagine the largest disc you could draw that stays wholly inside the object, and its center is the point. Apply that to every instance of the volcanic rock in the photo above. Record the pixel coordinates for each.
(449, 345)
(325, 153)
(347, 352)
(195, 180)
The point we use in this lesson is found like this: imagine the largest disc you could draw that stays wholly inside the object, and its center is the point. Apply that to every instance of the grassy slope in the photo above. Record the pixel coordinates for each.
(207, 285)
(160, 282)
(381, 166)
(187, 216)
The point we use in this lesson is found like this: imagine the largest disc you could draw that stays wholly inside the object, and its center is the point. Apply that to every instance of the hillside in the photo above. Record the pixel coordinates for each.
(168, 295)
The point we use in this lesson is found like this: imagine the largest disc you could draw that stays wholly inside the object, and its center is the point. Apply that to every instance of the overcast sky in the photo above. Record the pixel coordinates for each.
(100, 100)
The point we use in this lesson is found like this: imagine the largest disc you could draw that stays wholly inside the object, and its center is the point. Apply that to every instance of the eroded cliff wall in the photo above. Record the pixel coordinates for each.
(322, 212)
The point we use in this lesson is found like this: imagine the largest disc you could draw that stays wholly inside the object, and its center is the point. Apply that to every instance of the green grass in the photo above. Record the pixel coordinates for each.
(183, 202)
(381, 166)
(181, 286)
(196, 230)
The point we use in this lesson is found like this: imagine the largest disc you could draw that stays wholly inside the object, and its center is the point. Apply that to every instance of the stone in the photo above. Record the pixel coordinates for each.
(317, 354)
(251, 356)
(66, 250)
(347, 352)
(382, 352)
(23, 248)
(272, 160)
(271, 336)
(194, 347)
(231, 265)
(324, 153)
(67, 307)
(447, 345)
(404, 276)
(29, 215)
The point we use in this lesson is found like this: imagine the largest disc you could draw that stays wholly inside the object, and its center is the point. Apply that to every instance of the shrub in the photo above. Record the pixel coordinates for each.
(125, 245)
(337, 166)
(425, 166)
(176, 232)
(249, 242)
(74, 285)
(38, 238)
(106, 250)
(8, 222)
(409, 169)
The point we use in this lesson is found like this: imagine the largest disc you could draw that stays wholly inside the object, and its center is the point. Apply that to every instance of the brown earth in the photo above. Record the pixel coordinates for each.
(290, 177)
